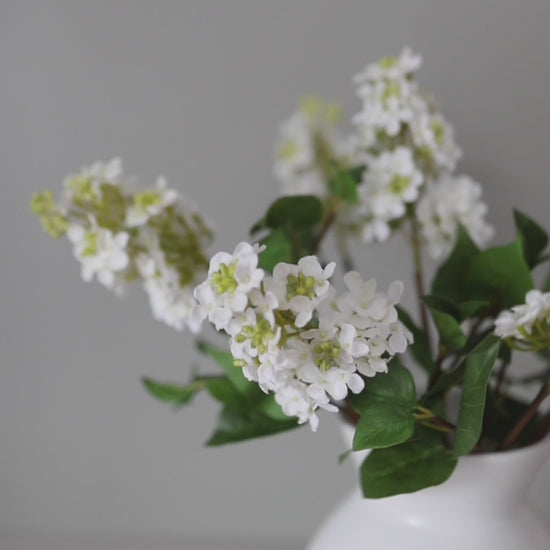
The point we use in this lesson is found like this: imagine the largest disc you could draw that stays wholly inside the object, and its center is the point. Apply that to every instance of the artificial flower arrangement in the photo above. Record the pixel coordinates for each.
(296, 345)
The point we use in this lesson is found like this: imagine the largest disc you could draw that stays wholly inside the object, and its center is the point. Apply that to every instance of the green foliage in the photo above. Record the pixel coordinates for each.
(344, 183)
(445, 315)
(239, 425)
(420, 348)
(533, 238)
(499, 274)
(292, 223)
(422, 461)
(171, 393)
(473, 280)
(247, 411)
(449, 281)
(278, 249)
(386, 408)
(224, 360)
(478, 366)
(298, 210)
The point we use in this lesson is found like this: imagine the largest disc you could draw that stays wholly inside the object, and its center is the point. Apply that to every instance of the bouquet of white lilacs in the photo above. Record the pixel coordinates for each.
(296, 344)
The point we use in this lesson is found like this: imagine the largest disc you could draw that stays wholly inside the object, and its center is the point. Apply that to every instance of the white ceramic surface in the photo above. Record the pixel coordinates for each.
(483, 506)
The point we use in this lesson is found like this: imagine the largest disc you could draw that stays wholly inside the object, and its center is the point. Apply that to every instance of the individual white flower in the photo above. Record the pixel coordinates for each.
(101, 252)
(528, 322)
(147, 204)
(305, 182)
(86, 185)
(230, 278)
(390, 182)
(295, 147)
(301, 287)
(391, 67)
(387, 106)
(445, 204)
(306, 145)
(434, 137)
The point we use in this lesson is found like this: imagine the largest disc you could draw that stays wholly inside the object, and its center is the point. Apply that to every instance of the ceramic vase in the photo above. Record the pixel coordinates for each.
(482, 506)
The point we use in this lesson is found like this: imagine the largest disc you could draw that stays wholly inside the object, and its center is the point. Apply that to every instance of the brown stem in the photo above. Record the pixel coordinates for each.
(520, 425)
(416, 245)
(542, 429)
(438, 366)
(500, 378)
(324, 229)
(349, 413)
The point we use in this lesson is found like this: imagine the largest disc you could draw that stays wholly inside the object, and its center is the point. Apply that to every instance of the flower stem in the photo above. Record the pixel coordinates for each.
(520, 425)
(416, 245)
(343, 249)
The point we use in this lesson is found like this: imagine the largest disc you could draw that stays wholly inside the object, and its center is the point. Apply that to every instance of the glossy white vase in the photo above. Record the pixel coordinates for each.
(481, 507)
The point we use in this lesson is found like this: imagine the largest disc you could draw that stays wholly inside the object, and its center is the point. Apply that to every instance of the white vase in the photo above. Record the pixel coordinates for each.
(481, 507)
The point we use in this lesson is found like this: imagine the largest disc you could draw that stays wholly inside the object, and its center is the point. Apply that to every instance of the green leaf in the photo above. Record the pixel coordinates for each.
(449, 281)
(344, 185)
(278, 249)
(396, 386)
(297, 210)
(225, 360)
(533, 237)
(436, 303)
(420, 348)
(478, 366)
(382, 425)
(258, 226)
(451, 335)
(420, 462)
(386, 408)
(344, 456)
(267, 405)
(500, 274)
(224, 391)
(471, 308)
(447, 381)
(234, 426)
(171, 393)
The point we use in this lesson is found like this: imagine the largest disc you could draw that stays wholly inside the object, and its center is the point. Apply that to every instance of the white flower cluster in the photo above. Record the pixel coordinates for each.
(120, 233)
(306, 144)
(447, 202)
(293, 335)
(529, 323)
(409, 152)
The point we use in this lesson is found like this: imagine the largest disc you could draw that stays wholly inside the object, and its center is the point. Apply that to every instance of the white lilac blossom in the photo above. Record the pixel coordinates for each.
(402, 140)
(446, 203)
(306, 144)
(528, 323)
(121, 234)
(101, 253)
(391, 181)
(293, 335)
(147, 204)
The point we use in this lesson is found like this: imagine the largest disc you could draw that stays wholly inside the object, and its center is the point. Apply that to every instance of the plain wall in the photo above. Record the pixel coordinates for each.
(195, 90)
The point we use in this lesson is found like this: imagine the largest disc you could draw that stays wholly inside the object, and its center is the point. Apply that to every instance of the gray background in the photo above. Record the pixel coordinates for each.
(195, 90)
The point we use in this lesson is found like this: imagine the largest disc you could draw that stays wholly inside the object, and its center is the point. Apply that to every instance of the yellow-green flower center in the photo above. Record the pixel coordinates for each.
(326, 355)
(146, 199)
(300, 285)
(288, 150)
(224, 279)
(388, 62)
(90, 238)
(392, 89)
(83, 189)
(258, 334)
(438, 131)
(399, 184)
